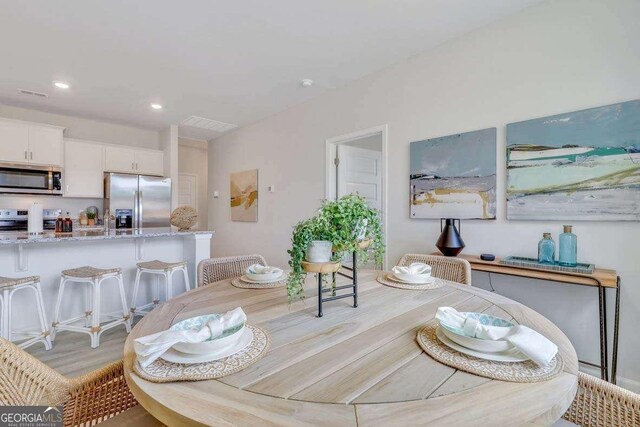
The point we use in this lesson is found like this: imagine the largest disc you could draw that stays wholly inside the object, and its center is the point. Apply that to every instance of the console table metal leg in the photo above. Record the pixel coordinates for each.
(604, 353)
(355, 280)
(616, 327)
(319, 294)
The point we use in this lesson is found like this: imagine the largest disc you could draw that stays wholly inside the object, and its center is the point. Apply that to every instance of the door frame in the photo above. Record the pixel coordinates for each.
(330, 176)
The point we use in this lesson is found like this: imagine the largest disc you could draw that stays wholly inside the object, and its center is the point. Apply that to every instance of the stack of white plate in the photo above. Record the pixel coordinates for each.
(275, 274)
(231, 341)
(498, 350)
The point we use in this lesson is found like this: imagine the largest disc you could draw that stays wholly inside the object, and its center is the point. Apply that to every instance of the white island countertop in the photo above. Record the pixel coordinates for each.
(10, 238)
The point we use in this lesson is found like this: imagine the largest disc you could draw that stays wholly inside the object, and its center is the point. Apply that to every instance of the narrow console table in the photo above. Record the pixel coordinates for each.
(601, 278)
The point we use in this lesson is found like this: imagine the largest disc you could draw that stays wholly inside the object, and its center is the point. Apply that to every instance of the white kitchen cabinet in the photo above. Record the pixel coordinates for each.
(119, 159)
(45, 145)
(14, 142)
(83, 169)
(149, 162)
(30, 143)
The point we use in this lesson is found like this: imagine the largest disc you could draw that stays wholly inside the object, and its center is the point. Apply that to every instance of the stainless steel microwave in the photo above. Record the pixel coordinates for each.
(28, 179)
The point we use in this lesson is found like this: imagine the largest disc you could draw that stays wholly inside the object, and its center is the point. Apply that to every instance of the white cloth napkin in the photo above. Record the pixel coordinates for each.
(151, 347)
(415, 268)
(262, 269)
(527, 341)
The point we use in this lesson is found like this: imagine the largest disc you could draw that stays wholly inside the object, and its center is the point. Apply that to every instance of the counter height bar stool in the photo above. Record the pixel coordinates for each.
(8, 287)
(157, 269)
(92, 278)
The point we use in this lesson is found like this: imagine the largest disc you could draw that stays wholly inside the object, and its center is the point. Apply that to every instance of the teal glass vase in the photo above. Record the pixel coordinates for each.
(568, 254)
(546, 249)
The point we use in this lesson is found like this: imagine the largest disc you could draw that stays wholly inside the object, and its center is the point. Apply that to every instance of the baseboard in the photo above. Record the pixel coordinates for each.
(626, 383)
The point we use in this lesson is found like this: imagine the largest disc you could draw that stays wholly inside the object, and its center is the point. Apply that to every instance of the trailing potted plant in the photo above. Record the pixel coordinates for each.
(348, 223)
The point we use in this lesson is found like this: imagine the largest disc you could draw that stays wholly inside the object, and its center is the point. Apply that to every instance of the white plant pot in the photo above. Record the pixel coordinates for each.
(319, 251)
(361, 230)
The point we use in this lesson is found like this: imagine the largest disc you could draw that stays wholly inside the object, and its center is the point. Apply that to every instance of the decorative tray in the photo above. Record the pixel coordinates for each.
(517, 261)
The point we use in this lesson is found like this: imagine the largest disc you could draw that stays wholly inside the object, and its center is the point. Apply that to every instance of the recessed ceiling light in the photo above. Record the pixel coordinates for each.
(156, 106)
(61, 85)
(306, 82)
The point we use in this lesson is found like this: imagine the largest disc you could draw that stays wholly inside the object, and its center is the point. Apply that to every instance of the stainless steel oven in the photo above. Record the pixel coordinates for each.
(27, 179)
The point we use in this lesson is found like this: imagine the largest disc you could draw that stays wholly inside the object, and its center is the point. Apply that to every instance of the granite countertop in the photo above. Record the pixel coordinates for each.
(9, 238)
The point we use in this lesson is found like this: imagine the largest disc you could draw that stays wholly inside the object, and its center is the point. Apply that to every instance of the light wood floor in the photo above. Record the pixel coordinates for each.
(72, 354)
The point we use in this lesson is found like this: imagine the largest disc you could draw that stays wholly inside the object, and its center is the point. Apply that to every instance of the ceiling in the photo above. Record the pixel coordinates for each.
(233, 61)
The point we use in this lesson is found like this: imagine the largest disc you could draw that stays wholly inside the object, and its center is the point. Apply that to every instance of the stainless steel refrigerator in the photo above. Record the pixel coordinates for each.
(138, 201)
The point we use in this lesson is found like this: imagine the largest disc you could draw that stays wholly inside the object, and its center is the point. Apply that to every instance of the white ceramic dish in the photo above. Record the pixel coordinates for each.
(485, 346)
(228, 337)
(264, 278)
(247, 279)
(413, 279)
(172, 355)
(510, 356)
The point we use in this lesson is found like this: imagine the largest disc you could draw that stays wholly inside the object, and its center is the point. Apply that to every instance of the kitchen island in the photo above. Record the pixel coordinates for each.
(46, 255)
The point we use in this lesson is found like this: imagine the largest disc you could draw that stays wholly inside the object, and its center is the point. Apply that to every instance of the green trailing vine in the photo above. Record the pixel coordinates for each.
(344, 223)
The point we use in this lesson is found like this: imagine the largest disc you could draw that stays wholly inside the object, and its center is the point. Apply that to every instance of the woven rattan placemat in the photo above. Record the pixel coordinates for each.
(386, 279)
(238, 282)
(162, 371)
(520, 372)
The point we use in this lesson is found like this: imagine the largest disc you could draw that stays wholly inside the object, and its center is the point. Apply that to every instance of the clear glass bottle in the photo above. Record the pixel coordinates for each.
(568, 254)
(546, 249)
(83, 218)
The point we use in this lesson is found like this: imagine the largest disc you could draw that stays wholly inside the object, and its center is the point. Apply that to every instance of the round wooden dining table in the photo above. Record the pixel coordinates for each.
(354, 366)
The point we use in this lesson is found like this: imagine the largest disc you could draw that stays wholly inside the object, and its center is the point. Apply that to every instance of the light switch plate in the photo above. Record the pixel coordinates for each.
(216, 194)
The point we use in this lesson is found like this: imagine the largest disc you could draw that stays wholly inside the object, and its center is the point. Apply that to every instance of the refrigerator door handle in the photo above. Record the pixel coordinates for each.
(139, 209)
(135, 209)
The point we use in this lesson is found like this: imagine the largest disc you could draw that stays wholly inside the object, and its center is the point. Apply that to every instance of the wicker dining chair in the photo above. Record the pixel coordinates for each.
(601, 404)
(215, 269)
(87, 399)
(447, 268)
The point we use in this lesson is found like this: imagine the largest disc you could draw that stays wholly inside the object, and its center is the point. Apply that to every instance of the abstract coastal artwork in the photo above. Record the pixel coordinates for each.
(244, 196)
(583, 165)
(454, 176)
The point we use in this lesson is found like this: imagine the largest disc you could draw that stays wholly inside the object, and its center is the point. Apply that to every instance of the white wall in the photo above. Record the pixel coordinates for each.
(560, 56)
(193, 159)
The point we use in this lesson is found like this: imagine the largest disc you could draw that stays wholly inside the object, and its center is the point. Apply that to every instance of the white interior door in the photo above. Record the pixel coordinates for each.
(188, 190)
(360, 171)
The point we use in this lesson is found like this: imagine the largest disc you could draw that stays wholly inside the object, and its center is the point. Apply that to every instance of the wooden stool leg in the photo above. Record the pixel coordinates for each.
(185, 273)
(42, 316)
(123, 298)
(95, 318)
(156, 289)
(56, 315)
(87, 306)
(134, 297)
(169, 283)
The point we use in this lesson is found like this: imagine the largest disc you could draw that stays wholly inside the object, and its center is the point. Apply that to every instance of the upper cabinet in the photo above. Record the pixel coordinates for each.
(119, 159)
(23, 142)
(83, 169)
(128, 160)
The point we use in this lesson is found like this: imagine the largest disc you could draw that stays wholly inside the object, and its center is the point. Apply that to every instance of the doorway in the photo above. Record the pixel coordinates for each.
(357, 163)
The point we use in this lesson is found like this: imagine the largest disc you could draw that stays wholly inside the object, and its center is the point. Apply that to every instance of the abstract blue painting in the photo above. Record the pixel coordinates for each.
(454, 176)
(583, 165)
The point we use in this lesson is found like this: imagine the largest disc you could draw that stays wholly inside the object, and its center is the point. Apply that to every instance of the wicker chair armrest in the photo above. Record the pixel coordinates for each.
(97, 396)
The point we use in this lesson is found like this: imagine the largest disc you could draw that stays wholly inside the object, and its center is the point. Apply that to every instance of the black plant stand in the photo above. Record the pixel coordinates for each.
(325, 268)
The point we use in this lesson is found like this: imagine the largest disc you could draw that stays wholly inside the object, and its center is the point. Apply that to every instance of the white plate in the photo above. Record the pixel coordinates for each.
(512, 355)
(264, 277)
(484, 346)
(244, 278)
(175, 356)
(421, 281)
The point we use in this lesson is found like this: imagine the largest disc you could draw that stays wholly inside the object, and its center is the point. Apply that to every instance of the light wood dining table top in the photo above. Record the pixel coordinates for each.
(354, 366)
